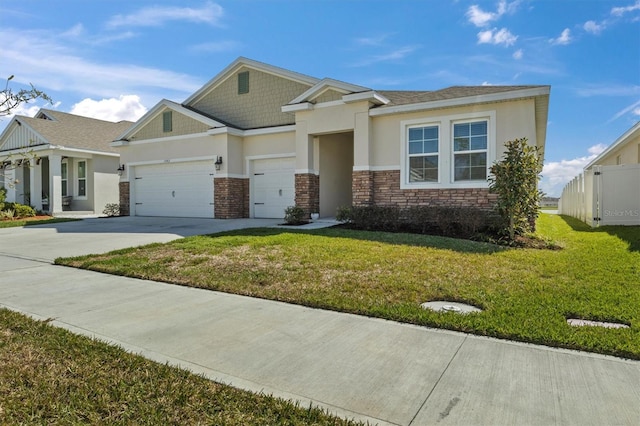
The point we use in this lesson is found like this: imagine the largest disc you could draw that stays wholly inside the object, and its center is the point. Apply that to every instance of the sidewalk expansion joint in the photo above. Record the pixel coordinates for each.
(31, 259)
(437, 383)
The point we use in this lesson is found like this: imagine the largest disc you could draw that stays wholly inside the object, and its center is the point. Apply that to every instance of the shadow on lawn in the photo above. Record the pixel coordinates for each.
(416, 240)
(630, 234)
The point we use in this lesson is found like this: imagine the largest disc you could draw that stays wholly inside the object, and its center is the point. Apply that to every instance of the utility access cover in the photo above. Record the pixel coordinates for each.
(445, 306)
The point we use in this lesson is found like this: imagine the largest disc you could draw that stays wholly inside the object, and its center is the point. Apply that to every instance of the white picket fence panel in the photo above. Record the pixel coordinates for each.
(604, 195)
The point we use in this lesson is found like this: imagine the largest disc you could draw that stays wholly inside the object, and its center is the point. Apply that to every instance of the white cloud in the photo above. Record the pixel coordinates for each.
(39, 58)
(372, 41)
(593, 27)
(156, 16)
(481, 18)
(215, 47)
(125, 107)
(394, 55)
(518, 54)
(556, 174)
(633, 108)
(564, 38)
(619, 11)
(495, 36)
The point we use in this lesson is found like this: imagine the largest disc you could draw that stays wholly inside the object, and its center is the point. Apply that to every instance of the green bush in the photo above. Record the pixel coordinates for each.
(111, 209)
(295, 215)
(3, 197)
(462, 222)
(20, 210)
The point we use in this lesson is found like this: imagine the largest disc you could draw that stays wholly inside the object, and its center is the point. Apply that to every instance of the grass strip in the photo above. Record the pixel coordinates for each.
(51, 376)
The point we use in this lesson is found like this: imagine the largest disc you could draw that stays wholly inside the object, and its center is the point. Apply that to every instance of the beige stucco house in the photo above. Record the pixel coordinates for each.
(257, 138)
(57, 161)
(625, 150)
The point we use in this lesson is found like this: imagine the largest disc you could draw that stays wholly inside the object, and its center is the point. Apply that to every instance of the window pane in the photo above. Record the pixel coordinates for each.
(63, 170)
(479, 128)
(460, 130)
(478, 173)
(479, 159)
(461, 144)
(415, 147)
(82, 170)
(415, 134)
(64, 187)
(478, 142)
(431, 133)
(431, 146)
(461, 173)
(82, 188)
(423, 169)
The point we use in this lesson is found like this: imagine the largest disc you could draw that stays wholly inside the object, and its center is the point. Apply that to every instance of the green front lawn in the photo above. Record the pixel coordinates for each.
(526, 294)
(34, 221)
(51, 376)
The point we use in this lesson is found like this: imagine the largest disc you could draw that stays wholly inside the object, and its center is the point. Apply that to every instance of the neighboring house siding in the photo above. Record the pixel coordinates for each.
(629, 153)
(261, 107)
(328, 96)
(22, 137)
(182, 125)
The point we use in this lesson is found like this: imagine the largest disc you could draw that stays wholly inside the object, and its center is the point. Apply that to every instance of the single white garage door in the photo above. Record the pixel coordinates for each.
(273, 187)
(174, 189)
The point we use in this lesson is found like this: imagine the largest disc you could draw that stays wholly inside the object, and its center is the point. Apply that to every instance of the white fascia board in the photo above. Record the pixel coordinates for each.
(252, 132)
(250, 63)
(165, 103)
(306, 106)
(467, 100)
(329, 84)
(119, 143)
(370, 96)
(620, 141)
(86, 152)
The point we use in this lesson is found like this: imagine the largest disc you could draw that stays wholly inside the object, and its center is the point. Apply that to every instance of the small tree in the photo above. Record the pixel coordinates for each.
(9, 101)
(515, 180)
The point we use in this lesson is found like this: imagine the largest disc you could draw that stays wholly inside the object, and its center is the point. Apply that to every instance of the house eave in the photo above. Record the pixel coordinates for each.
(620, 141)
(467, 100)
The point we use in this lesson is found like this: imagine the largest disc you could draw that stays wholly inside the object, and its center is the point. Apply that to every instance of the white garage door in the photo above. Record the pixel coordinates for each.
(273, 187)
(174, 189)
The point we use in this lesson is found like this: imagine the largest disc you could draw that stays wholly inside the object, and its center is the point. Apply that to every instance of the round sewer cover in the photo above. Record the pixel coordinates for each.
(444, 306)
(576, 322)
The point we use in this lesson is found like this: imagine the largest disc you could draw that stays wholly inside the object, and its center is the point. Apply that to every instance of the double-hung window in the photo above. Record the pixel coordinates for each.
(63, 178)
(423, 153)
(82, 178)
(470, 151)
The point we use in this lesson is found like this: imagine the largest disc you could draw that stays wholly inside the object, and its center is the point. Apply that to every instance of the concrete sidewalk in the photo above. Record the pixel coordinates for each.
(357, 367)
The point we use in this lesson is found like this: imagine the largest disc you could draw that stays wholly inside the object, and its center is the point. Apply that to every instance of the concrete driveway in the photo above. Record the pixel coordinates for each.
(100, 235)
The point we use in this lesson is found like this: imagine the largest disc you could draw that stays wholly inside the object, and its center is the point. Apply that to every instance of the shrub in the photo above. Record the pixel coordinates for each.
(3, 197)
(464, 222)
(515, 180)
(295, 215)
(20, 210)
(111, 209)
(7, 214)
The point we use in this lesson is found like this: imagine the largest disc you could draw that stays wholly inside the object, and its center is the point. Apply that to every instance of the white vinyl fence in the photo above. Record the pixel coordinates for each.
(604, 195)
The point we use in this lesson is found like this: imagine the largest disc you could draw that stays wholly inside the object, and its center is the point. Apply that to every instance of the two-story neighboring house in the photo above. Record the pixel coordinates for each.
(257, 138)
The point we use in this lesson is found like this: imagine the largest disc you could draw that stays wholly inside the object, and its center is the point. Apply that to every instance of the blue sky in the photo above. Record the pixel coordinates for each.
(116, 59)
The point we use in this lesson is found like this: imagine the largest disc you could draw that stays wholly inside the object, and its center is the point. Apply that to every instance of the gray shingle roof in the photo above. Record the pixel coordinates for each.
(74, 131)
(401, 97)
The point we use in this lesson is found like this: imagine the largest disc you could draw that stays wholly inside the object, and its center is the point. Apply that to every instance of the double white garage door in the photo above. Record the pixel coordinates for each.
(185, 189)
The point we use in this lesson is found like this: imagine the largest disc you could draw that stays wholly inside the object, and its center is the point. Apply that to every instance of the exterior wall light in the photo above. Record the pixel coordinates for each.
(218, 162)
(120, 169)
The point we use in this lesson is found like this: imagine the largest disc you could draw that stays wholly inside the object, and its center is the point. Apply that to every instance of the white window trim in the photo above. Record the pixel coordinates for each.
(445, 149)
(64, 182)
(438, 153)
(76, 185)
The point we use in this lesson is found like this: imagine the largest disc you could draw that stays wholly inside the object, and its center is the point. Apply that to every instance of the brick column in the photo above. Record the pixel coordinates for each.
(231, 198)
(124, 198)
(308, 192)
(362, 188)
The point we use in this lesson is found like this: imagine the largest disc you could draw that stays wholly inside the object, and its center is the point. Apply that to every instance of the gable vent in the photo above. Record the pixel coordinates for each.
(243, 82)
